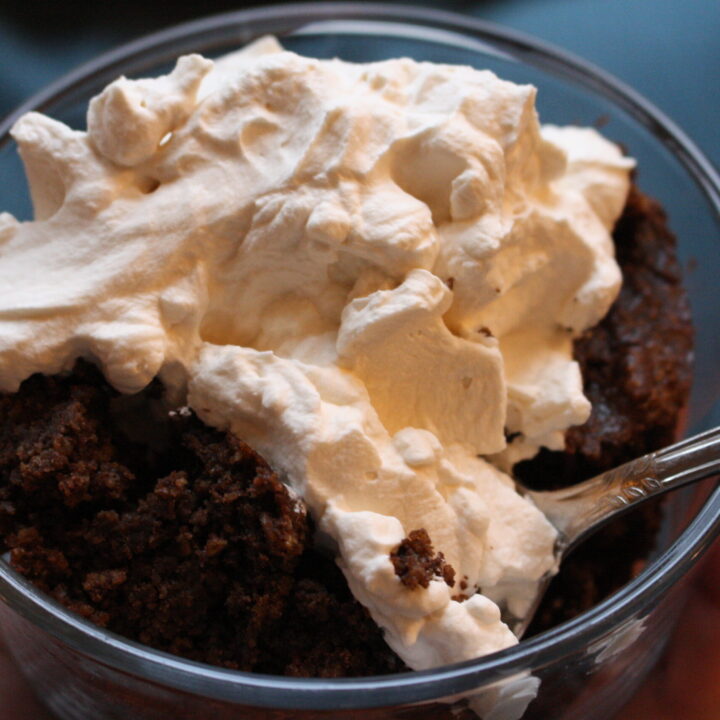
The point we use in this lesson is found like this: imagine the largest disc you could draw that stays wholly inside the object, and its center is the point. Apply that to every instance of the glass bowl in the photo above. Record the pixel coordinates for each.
(586, 668)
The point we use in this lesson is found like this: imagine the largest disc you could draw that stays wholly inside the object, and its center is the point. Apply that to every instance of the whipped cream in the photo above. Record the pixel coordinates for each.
(371, 273)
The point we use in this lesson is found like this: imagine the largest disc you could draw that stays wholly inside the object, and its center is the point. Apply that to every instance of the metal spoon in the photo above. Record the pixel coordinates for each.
(579, 510)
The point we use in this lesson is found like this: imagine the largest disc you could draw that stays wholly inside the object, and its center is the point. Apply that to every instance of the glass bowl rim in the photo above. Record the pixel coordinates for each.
(348, 693)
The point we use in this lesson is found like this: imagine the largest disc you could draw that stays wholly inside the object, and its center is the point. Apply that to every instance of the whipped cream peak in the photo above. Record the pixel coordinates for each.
(129, 120)
(371, 273)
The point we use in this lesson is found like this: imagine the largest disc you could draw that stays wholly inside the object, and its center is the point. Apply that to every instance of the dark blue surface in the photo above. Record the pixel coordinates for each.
(668, 50)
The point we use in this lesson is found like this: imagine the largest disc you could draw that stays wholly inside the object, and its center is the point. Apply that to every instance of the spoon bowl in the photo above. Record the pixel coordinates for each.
(578, 511)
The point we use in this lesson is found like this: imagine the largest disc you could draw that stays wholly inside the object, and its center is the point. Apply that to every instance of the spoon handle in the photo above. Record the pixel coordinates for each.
(576, 510)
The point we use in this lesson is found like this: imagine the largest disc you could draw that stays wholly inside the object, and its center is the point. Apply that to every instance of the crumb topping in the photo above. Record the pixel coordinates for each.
(416, 563)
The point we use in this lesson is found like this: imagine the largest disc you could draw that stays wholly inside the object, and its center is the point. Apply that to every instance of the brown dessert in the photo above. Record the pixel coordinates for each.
(189, 544)
(416, 562)
(182, 538)
(636, 367)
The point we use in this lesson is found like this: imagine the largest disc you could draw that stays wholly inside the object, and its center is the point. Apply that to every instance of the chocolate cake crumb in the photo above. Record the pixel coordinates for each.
(416, 562)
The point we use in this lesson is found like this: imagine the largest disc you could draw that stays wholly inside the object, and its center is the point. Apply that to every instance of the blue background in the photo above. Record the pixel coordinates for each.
(668, 50)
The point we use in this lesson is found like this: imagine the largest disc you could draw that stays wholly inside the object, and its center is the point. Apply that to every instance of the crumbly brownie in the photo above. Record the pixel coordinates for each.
(189, 544)
(182, 538)
(636, 363)
(416, 563)
(636, 367)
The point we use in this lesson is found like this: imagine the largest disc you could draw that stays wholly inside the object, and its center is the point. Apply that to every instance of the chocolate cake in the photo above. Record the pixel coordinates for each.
(416, 562)
(188, 543)
(182, 538)
(636, 367)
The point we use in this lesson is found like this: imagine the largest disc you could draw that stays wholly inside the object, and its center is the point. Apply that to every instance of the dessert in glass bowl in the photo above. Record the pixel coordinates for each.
(323, 237)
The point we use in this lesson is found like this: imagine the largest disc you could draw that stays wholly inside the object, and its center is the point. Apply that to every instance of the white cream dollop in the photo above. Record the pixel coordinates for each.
(370, 273)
